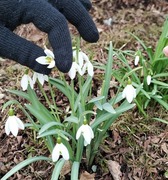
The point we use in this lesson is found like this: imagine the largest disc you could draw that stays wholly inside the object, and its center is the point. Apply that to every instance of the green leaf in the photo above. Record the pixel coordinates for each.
(160, 75)
(72, 119)
(98, 105)
(20, 94)
(49, 125)
(75, 170)
(108, 107)
(39, 114)
(8, 103)
(161, 102)
(23, 164)
(160, 83)
(59, 132)
(161, 120)
(59, 84)
(105, 115)
(96, 99)
(108, 72)
(85, 90)
(57, 169)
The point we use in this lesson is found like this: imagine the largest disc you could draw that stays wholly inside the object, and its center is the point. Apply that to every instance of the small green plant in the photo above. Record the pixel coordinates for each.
(149, 73)
(78, 134)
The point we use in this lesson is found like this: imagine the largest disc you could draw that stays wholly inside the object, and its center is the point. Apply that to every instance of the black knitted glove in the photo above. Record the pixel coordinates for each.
(50, 17)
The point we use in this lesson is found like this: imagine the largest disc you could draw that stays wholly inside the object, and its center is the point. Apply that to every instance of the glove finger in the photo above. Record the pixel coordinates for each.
(77, 15)
(50, 20)
(22, 51)
(87, 4)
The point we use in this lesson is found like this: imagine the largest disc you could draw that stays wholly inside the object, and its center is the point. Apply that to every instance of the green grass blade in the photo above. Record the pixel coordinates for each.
(75, 170)
(161, 120)
(57, 169)
(23, 164)
(108, 73)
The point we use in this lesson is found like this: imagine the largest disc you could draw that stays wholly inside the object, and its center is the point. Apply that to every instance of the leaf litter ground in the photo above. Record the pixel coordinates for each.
(137, 146)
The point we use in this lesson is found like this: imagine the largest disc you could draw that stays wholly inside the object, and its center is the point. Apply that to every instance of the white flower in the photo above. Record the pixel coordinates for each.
(75, 67)
(41, 78)
(60, 149)
(80, 65)
(25, 81)
(129, 93)
(136, 60)
(148, 79)
(87, 133)
(13, 124)
(47, 60)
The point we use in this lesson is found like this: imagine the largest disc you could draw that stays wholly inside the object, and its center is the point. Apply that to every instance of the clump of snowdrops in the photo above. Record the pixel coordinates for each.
(77, 135)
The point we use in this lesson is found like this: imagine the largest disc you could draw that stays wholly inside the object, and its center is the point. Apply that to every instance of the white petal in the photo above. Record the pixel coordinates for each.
(90, 69)
(148, 79)
(84, 69)
(46, 78)
(49, 53)
(41, 78)
(30, 82)
(55, 153)
(19, 123)
(34, 77)
(7, 129)
(72, 72)
(85, 57)
(64, 151)
(86, 143)
(91, 132)
(13, 126)
(42, 60)
(124, 93)
(78, 68)
(51, 65)
(79, 132)
(80, 59)
(130, 93)
(87, 134)
(136, 60)
(24, 82)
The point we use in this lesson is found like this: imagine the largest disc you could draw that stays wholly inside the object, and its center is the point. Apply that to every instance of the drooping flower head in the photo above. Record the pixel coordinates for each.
(60, 149)
(148, 79)
(13, 124)
(81, 65)
(40, 77)
(26, 80)
(129, 92)
(48, 59)
(86, 131)
(136, 61)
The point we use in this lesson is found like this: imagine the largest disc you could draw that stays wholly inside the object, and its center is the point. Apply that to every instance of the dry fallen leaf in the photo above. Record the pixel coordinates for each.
(114, 169)
(86, 176)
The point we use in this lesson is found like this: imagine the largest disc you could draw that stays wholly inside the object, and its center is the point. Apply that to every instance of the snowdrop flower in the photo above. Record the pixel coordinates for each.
(148, 79)
(87, 133)
(165, 51)
(75, 68)
(60, 149)
(129, 92)
(41, 78)
(80, 65)
(25, 81)
(13, 124)
(48, 59)
(136, 60)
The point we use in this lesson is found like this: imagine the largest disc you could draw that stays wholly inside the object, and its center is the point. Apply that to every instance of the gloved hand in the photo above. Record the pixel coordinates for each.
(51, 17)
